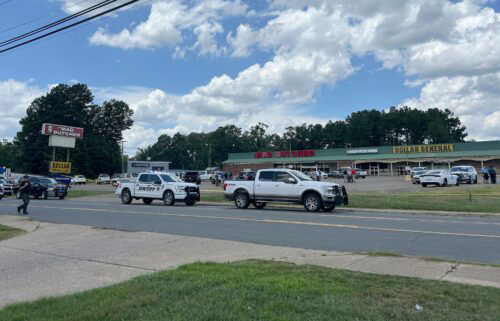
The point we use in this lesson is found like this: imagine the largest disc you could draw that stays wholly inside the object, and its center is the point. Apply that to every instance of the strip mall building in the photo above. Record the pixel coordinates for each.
(384, 160)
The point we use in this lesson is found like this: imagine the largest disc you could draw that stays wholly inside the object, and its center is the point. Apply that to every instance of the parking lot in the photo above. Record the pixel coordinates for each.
(371, 184)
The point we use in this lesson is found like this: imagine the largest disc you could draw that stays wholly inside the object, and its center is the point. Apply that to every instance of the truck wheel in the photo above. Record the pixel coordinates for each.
(241, 200)
(312, 202)
(169, 198)
(126, 197)
(475, 181)
(190, 202)
(445, 183)
(259, 205)
(328, 208)
(457, 183)
(45, 195)
(147, 201)
(424, 185)
(62, 197)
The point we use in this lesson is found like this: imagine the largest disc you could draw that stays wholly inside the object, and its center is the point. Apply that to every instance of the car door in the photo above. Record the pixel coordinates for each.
(142, 185)
(155, 187)
(286, 187)
(264, 186)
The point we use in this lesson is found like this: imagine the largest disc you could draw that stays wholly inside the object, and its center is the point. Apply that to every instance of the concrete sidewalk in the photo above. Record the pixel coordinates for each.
(56, 259)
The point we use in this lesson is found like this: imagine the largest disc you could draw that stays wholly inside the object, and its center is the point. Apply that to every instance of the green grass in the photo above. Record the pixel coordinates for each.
(76, 194)
(267, 291)
(8, 232)
(430, 202)
(485, 199)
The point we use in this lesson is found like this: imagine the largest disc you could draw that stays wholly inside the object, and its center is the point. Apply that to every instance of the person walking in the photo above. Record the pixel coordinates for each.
(24, 190)
(493, 174)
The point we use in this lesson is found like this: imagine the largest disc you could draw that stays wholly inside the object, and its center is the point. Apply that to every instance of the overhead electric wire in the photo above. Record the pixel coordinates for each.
(58, 22)
(69, 26)
(39, 18)
(80, 27)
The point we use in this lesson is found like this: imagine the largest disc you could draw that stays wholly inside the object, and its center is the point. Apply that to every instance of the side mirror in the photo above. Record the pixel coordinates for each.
(291, 181)
(157, 182)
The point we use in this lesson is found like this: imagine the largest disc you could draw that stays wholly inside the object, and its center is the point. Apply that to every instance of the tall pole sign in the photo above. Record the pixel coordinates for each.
(65, 137)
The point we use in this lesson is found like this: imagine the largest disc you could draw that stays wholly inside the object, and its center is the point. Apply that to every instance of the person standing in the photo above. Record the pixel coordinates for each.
(486, 176)
(24, 190)
(493, 174)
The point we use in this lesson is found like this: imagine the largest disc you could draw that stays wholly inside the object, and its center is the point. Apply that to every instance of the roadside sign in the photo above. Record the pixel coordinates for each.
(61, 130)
(60, 167)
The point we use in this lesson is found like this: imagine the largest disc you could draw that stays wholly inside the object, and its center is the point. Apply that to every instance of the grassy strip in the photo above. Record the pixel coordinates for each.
(8, 232)
(76, 194)
(267, 291)
(410, 201)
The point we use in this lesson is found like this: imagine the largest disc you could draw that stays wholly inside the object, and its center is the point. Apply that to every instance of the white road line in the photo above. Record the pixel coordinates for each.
(276, 222)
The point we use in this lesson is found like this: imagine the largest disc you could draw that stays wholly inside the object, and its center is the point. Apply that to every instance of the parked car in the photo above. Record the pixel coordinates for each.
(335, 174)
(417, 169)
(285, 185)
(466, 174)
(46, 187)
(1, 191)
(361, 173)
(9, 188)
(79, 180)
(416, 177)
(158, 186)
(192, 177)
(120, 177)
(103, 179)
(61, 179)
(205, 176)
(439, 178)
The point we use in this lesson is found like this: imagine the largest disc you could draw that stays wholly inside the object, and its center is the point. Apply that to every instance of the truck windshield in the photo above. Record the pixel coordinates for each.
(301, 176)
(170, 178)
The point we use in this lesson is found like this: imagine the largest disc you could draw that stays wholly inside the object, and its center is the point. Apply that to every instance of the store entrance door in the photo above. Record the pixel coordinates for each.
(374, 169)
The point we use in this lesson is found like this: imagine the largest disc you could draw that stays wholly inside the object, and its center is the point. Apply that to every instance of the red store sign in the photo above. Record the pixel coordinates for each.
(286, 154)
(61, 130)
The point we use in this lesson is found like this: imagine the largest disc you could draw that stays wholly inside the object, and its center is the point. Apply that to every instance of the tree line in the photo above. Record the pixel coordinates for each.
(98, 152)
(397, 126)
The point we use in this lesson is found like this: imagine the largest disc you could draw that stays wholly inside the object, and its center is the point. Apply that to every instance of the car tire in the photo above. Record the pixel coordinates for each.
(242, 200)
(190, 202)
(45, 195)
(328, 208)
(445, 183)
(147, 201)
(312, 202)
(168, 198)
(469, 181)
(126, 197)
(457, 183)
(259, 205)
(424, 185)
(475, 181)
(62, 197)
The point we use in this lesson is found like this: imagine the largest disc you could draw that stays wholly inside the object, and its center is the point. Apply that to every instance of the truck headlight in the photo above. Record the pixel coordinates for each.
(180, 189)
(328, 189)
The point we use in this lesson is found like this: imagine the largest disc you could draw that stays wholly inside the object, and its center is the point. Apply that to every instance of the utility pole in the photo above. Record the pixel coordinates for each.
(209, 155)
(123, 164)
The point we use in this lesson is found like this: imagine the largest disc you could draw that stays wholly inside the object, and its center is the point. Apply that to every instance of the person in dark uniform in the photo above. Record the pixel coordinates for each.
(493, 174)
(24, 190)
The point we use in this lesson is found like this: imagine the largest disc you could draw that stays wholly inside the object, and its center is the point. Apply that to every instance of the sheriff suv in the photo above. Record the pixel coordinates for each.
(158, 186)
(283, 185)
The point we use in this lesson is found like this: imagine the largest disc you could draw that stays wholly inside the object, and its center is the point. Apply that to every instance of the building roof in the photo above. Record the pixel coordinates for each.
(470, 150)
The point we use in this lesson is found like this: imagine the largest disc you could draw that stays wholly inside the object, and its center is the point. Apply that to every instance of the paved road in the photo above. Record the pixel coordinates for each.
(452, 237)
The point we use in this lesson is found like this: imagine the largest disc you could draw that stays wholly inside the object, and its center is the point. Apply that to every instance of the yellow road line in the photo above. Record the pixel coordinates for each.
(276, 222)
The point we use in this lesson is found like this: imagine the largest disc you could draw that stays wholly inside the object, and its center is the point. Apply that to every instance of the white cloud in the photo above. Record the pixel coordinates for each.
(15, 98)
(168, 20)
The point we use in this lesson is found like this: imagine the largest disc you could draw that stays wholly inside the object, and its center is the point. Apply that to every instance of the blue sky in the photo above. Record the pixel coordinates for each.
(286, 62)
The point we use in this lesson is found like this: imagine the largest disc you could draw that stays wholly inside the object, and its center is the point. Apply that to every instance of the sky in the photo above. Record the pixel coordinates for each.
(195, 65)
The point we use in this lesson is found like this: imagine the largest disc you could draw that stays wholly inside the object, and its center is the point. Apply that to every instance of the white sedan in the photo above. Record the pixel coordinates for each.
(439, 178)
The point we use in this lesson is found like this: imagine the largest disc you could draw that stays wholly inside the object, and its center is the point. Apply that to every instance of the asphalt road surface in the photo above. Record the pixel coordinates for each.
(452, 237)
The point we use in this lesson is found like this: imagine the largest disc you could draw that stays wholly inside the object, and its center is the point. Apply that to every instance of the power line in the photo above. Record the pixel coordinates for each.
(79, 27)
(39, 18)
(69, 26)
(58, 22)
(5, 2)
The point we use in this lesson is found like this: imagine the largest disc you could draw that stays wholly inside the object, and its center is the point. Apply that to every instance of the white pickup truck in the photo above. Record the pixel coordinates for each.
(282, 185)
(158, 186)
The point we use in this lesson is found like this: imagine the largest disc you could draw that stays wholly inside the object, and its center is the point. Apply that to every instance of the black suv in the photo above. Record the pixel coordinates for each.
(46, 187)
(192, 177)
